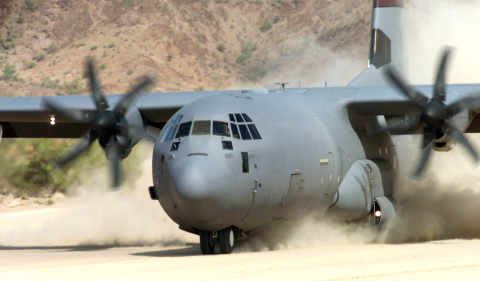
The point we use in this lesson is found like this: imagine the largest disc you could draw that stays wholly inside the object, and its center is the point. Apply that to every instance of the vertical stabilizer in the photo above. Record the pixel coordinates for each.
(386, 43)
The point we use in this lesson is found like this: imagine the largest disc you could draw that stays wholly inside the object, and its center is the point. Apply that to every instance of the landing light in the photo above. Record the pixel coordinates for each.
(52, 120)
(378, 214)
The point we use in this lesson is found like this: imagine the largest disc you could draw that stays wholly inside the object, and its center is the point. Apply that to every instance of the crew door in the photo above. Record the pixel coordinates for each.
(287, 201)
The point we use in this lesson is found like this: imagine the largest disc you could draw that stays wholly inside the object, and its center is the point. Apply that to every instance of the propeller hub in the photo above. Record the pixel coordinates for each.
(105, 123)
(434, 114)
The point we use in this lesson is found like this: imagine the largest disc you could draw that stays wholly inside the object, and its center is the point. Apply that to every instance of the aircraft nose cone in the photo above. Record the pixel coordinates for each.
(201, 187)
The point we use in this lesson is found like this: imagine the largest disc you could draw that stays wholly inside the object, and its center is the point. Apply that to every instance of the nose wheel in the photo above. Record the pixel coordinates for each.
(225, 238)
(207, 244)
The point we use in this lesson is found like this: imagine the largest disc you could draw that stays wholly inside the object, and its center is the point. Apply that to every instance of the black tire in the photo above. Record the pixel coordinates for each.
(226, 239)
(207, 245)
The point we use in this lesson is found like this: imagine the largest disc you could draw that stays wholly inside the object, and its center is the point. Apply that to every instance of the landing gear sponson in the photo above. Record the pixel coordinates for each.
(225, 238)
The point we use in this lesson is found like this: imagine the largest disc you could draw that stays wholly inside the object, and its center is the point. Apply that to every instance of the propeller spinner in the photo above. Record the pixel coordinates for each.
(433, 115)
(108, 126)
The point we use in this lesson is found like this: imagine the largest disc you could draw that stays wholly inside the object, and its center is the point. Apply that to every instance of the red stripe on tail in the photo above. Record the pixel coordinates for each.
(388, 3)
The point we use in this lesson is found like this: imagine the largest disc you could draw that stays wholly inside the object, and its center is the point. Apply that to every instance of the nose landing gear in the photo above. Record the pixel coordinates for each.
(225, 238)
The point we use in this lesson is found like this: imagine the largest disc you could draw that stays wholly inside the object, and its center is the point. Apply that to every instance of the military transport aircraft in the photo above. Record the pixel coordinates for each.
(228, 163)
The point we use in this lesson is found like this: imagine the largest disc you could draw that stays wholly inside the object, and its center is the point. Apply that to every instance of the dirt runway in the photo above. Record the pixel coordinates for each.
(439, 260)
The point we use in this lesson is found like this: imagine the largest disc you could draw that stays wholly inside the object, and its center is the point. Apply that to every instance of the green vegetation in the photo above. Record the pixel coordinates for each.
(266, 26)
(93, 48)
(206, 2)
(111, 45)
(198, 89)
(167, 8)
(128, 3)
(30, 64)
(68, 87)
(129, 71)
(258, 2)
(170, 57)
(104, 55)
(20, 19)
(331, 33)
(220, 47)
(8, 42)
(247, 49)
(50, 84)
(276, 19)
(9, 73)
(256, 73)
(102, 66)
(85, 74)
(31, 5)
(40, 56)
(52, 48)
(35, 35)
(80, 44)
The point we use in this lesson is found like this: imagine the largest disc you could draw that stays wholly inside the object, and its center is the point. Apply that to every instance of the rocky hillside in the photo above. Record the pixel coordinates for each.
(185, 44)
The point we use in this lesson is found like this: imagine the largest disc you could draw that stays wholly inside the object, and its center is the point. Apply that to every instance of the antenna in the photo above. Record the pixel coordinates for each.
(282, 86)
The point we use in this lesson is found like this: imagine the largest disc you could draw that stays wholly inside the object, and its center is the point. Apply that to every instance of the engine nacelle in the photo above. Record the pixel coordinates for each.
(443, 143)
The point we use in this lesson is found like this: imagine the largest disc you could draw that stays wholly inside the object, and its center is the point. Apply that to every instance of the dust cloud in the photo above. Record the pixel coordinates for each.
(96, 217)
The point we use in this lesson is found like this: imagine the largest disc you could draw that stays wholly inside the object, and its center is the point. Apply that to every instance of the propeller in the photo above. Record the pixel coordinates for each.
(108, 125)
(433, 115)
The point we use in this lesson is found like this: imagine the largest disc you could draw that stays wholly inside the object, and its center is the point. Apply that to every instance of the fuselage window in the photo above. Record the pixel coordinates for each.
(232, 118)
(235, 131)
(173, 132)
(239, 118)
(247, 119)
(184, 130)
(227, 145)
(244, 132)
(245, 162)
(201, 128)
(220, 129)
(254, 131)
(175, 146)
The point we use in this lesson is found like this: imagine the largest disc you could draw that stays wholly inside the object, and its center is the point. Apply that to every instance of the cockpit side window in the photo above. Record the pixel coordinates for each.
(220, 129)
(235, 131)
(244, 132)
(201, 128)
(254, 131)
(239, 118)
(173, 133)
(184, 130)
(232, 118)
(247, 119)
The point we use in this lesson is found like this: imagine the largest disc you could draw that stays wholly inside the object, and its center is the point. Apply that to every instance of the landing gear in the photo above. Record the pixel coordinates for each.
(207, 244)
(226, 239)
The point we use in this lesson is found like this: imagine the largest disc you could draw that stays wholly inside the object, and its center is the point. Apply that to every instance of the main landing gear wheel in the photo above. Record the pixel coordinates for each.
(226, 239)
(207, 245)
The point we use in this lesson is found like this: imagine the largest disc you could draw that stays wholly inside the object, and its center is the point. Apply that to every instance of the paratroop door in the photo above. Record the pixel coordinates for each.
(288, 200)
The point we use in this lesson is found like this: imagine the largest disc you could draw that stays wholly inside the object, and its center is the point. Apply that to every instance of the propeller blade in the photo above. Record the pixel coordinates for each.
(458, 136)
(397, 125)
(113, 158)
(82, 145)
(80, 116)
(462, 103)
(428, 136)
(137, 132)
(97, 95)
(425, 153)
(439, 91)
(127, 100)
(417, 98)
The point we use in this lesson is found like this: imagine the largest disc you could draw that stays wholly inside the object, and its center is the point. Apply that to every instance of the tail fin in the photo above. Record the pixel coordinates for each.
(386, 43)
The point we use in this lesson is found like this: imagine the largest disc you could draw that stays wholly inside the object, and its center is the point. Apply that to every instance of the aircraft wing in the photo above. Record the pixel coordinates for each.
(27, 117)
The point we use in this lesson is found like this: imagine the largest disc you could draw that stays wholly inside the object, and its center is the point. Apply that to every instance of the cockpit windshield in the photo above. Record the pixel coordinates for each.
(184, 130)
(201, 128)
(220, 129)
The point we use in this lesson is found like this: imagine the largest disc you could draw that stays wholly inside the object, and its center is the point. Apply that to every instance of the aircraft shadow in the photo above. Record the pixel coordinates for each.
(191, 249)
(59, 248)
